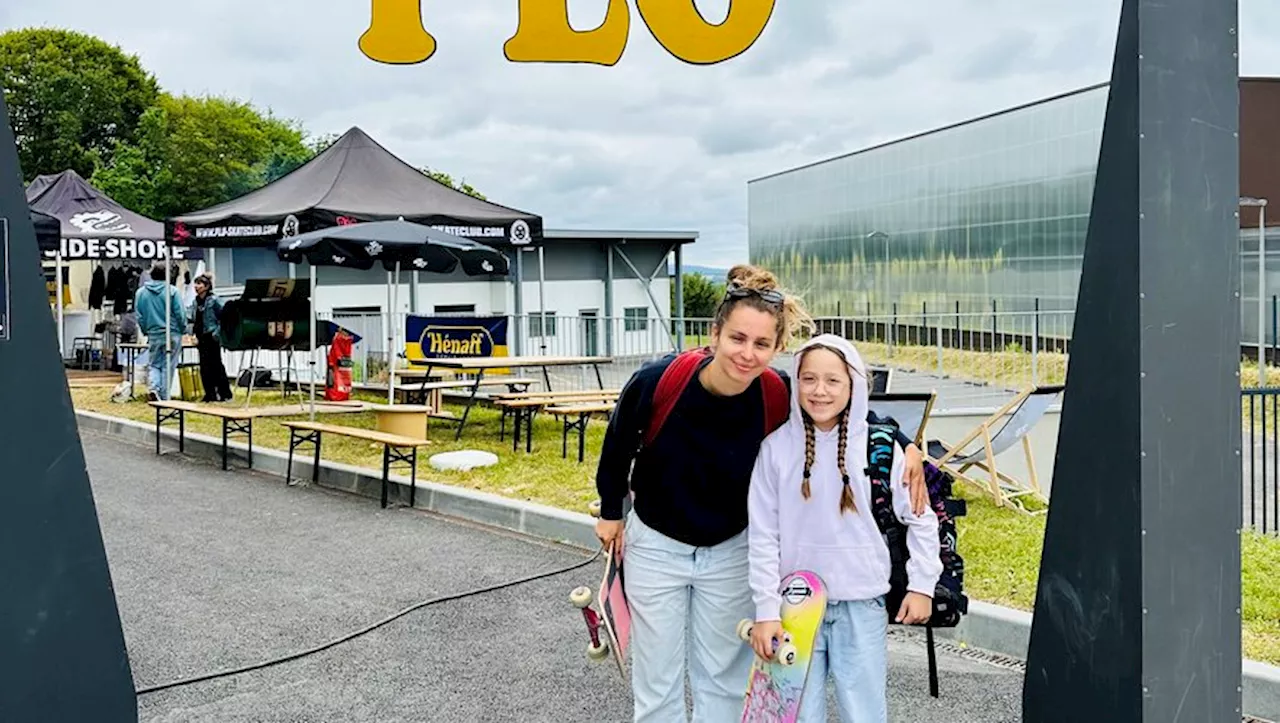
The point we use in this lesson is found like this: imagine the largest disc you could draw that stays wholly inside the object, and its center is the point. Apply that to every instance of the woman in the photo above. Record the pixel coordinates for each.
(206, 314)
(686, 541)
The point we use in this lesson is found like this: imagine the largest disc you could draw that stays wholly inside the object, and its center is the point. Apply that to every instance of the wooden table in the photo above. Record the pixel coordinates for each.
(478, 365)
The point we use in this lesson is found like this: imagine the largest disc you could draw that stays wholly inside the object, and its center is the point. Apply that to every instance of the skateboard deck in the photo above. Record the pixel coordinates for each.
(775, 687)
(614, 609)
(614, 615)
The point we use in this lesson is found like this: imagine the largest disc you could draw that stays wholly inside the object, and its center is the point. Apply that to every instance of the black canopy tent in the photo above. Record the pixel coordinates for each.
(354, 180)
(91, 226)
(102, 227)
(393, 244)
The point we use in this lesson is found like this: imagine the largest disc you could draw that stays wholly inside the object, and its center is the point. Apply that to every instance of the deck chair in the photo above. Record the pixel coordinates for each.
(910, 410)
(1024, 412)
(880, 380)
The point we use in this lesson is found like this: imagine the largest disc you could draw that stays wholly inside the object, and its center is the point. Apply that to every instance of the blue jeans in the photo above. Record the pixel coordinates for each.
(163, 363)
(851, 648)
(685, 604)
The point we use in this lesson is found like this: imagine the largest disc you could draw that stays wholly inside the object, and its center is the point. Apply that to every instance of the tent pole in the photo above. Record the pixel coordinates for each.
(168, 322)
(313, 339)
(391, 321)
(57, 294)
(542, 297)
(413, 293)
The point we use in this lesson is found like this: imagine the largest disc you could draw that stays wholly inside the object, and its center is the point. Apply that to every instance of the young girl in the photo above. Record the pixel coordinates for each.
(810, 509)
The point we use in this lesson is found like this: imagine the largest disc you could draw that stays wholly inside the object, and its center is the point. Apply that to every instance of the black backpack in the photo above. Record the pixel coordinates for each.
(949, 600)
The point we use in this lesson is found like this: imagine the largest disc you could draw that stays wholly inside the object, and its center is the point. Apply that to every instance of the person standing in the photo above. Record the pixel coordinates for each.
(149, 303)
(685, 540)
(206, 320)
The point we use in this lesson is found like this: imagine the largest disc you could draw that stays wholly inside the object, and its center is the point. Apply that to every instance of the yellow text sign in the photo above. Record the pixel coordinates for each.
(397, 35)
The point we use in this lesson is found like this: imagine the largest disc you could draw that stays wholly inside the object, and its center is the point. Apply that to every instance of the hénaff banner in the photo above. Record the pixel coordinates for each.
(450, 337)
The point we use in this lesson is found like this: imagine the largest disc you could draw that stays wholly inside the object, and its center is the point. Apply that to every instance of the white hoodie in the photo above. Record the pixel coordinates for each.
(789, 533)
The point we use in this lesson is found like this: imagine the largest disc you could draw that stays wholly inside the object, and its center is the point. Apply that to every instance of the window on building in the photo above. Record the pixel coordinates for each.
(455, 309)
(535, 324)
(635, 318)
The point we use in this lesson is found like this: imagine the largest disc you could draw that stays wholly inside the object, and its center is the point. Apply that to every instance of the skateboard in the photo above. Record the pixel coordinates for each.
(775, 687)
(614, 616)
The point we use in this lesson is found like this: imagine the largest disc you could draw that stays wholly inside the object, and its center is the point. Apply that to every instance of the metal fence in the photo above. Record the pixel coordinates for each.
(1259, 461)
(971, 360)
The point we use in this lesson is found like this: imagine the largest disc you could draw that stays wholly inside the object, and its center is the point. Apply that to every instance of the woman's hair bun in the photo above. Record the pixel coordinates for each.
(748, 276)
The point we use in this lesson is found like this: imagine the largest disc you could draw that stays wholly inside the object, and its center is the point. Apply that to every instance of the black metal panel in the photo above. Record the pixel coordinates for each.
(62, 650)
(1137, 611)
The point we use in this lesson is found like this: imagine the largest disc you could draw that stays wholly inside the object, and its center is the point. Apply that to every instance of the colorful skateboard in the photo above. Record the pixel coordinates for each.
(614, 615)
(776, 686)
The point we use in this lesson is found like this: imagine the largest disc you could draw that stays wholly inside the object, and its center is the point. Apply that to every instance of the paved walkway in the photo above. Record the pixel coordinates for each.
(215, 570)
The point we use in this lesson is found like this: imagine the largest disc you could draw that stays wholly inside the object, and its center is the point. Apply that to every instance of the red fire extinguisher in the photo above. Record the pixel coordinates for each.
(337, 386)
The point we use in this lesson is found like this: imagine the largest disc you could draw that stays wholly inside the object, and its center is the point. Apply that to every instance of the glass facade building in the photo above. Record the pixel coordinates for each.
(991, 210)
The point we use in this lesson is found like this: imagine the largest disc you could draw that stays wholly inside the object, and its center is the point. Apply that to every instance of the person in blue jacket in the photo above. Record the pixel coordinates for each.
(150, 307)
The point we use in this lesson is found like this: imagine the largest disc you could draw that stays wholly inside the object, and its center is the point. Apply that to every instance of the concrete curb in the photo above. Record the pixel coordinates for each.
(987, 627)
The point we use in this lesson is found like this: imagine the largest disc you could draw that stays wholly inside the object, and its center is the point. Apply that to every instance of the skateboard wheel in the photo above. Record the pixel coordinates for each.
(744, 630)
(594, 508)
(786, 654)
(581, 596)
(598, 652)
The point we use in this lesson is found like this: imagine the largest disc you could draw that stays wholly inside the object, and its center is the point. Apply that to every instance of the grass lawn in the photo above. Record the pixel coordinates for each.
(1001, 548)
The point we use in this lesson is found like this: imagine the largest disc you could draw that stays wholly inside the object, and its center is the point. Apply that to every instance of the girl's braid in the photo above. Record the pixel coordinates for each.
(808, 455)
(846, 497)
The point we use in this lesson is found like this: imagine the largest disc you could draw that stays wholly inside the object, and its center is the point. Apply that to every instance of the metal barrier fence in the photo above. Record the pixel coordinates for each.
(1259, 462)
(971, 360)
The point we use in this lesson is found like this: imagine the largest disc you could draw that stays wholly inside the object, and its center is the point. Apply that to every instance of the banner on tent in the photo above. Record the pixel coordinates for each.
(451, 337)
(78, 249)
(4, 279)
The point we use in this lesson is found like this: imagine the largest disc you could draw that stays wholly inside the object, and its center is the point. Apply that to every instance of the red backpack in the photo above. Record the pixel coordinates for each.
(777, 400)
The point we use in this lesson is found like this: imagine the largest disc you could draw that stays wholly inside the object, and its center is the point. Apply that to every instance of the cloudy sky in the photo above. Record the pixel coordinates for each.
(651, 143)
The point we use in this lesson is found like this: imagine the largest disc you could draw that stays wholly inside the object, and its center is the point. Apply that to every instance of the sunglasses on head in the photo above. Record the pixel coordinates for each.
(769, 296)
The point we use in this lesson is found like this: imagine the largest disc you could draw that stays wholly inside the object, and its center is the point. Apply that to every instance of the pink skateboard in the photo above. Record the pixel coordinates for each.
(614, 615)
(776, 687)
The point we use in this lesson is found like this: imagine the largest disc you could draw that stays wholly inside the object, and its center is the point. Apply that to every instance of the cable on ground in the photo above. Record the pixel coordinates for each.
(368, 629)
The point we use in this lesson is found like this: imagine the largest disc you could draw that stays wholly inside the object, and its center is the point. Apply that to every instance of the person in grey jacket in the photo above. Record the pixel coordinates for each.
(206, 317)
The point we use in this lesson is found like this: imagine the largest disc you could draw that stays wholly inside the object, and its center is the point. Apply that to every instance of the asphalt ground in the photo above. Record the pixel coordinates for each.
(218, 570)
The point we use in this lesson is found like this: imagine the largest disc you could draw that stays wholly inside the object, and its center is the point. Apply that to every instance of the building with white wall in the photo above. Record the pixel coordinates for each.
(603, 292)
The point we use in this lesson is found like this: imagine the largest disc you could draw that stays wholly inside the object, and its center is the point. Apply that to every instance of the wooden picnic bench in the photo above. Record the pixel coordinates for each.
(301, 433)
(417, 392)
(481, 365)
(234, 421)
(525, 408)
(583, 412)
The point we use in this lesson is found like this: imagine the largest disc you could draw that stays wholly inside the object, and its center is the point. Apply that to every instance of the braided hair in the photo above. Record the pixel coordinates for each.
(846, 496)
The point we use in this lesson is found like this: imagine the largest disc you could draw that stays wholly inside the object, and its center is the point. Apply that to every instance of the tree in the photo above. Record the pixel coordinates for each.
(71, 97)
(192, 153)
(447, 180)
(701, 296)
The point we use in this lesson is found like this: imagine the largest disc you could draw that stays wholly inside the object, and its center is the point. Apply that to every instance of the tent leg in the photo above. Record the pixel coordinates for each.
(57, 294)
(542, 297)
(313, 340)
(395, 332)
(168, 322)
(391, 322)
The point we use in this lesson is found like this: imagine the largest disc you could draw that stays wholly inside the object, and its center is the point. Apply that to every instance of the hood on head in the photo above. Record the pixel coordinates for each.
(859, 398)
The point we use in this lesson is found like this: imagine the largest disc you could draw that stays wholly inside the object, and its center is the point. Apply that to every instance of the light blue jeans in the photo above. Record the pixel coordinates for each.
(851, 648)
(685, 606)
(162, 364)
